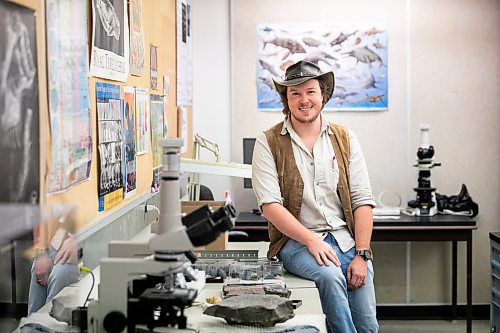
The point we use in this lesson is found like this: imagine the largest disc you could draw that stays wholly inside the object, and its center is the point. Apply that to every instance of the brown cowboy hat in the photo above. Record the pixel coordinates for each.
(302, 71)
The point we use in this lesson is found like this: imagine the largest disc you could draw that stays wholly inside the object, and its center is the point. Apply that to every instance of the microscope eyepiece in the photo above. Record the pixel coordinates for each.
(425, 153)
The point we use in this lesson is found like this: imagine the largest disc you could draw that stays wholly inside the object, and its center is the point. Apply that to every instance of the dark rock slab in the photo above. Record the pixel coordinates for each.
(296, 329)
(253, 310)
(230, 290)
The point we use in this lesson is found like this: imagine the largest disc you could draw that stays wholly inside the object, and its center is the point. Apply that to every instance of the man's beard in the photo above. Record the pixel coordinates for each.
(305, 121)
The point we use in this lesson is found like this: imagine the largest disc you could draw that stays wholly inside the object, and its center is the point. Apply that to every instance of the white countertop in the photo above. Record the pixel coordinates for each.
(309, 313)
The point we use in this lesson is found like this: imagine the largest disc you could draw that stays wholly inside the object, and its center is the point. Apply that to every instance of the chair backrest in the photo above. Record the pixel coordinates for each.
(206, 193)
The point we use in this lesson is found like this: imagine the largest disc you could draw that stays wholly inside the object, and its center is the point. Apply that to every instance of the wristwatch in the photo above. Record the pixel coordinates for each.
(39, 251)
(365, 254)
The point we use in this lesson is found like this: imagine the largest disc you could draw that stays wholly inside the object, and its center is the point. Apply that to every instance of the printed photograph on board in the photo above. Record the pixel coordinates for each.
(69, 101)
(110, 40)
(129, 135)
(184, 52)
(154, 66)
(19, 106)
(109, 144)
(136, 38)
(142, 120)
(157, 132)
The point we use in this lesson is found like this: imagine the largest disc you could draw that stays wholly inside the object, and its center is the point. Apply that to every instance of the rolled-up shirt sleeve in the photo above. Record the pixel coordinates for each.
(359, 181)
(264, 174)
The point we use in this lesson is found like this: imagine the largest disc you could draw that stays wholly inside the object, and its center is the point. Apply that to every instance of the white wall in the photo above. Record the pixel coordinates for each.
(455, 85)
(372, 129)
(211, 83)
(443, 70)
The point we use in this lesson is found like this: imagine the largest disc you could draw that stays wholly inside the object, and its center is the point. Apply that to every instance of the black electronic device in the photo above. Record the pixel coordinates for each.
(246, 219)
(248, 145)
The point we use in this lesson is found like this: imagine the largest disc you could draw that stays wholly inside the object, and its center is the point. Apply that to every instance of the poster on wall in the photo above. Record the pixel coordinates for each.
(182, 127)
(136, 38)
(157, 135)
(130, 157)
(110, 40)
(166, 91)
(109, 125)
(19, 111)
(184, 54)
(142, 120)
(356, 53)
(154, 66)
(68, 85)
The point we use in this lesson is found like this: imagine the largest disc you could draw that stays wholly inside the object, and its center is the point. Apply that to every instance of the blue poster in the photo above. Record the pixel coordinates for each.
(356, 53)
(109, 144)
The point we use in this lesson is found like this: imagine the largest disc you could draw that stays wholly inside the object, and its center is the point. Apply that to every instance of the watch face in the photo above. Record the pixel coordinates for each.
(366, 254)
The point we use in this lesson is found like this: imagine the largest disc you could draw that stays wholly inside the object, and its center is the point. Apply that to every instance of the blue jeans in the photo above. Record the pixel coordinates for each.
(346, 311)
(62, 275)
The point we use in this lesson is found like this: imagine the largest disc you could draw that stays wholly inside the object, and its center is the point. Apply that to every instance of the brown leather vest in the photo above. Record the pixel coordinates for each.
(291, 184)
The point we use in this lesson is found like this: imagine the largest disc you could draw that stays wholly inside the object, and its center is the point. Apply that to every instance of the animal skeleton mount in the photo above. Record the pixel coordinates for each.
(194, 178)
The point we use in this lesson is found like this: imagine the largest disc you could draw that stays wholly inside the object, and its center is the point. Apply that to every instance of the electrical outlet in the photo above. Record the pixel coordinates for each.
(80, 253)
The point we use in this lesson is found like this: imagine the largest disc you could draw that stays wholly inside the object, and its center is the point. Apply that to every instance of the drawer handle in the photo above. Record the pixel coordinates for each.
(495, 291)
(495, 264)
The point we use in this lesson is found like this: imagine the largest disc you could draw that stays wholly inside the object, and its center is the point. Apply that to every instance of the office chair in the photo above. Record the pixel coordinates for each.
(206, 193)
(234, 236)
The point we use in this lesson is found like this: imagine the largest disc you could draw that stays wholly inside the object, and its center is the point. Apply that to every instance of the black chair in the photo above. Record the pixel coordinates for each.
(234, 236)
(206, 193)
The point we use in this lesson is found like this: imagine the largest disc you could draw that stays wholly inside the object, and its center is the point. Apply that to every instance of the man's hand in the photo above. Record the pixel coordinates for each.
(356, 273)
(43, 267)
(68, 253)
(322, 252)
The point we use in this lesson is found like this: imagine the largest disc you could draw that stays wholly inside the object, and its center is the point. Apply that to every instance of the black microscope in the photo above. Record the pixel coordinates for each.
(425, 203)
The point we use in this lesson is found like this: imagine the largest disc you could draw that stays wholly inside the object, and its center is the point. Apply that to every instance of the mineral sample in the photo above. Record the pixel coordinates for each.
(253, 310)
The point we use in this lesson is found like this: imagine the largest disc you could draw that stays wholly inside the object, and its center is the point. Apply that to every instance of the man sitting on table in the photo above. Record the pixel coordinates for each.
(312, 185)
(55, 265)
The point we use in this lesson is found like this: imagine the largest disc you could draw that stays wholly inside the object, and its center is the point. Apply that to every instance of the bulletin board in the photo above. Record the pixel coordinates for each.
(159, 29)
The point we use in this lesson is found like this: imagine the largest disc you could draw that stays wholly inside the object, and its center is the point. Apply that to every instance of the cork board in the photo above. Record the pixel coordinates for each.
(159, 29)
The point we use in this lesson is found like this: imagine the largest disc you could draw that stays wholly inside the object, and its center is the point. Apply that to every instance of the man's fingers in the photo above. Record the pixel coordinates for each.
(356, 283)
(63, 258)
(44, 279)
(324, 258)
(58, 257)
(353, 285)
(333, 258)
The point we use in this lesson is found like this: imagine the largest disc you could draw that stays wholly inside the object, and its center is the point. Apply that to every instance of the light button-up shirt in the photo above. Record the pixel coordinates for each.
(321, 209)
